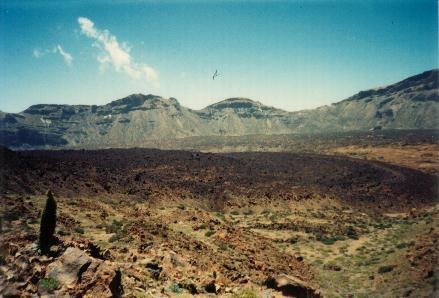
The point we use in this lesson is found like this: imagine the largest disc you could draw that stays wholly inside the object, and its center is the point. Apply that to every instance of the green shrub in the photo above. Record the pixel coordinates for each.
(317, 262)
(246, 293)
(219, 214)
(385, 269)
(33, 220)
(234, 212)
(79, 230)
(405, 244)
(181, 206)
(331, 266)
(369, 261)
(48, 284)
(48, 224)
(11, 216)
(175, 288)
(222, 246)
(113, 238)
(209, 233)
(351, 233)
(114, 227)
(63, 232)
(382, 225)
(401, 245)
(248, 212)
(330, 240)
(119, 234)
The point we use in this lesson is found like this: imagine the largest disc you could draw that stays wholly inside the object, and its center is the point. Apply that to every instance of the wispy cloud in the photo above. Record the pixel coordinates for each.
(68, 58)
(115, 54)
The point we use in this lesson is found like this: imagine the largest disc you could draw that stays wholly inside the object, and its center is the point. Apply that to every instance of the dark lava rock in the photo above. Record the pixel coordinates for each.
(291, 287)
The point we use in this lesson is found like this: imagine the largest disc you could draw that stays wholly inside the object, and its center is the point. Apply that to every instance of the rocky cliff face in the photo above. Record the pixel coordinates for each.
(130, 121)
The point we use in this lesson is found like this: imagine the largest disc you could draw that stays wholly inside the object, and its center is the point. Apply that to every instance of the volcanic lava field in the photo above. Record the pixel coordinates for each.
(216, 178)
(190, 223)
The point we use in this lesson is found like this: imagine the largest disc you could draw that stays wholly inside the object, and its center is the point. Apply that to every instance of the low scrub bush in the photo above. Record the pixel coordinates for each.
(120, 234)
(175, 288)
(382, 226)
(114, 227)
(351, 233)
(209, 233)
(329, 240)
(79, 230)
(405, 244)
(246, 293)
(11, 216)
(48, 284)
(331, 266)
(248, 212)
(63, 232)
(222, 246)
(220, 215)
(385, 269)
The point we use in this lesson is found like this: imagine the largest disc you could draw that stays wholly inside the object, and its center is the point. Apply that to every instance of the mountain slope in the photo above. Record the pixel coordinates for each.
(241, 116)
(411, 103)
(130, 121)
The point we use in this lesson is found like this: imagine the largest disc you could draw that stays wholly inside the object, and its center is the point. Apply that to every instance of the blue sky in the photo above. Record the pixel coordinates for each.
(288, 54)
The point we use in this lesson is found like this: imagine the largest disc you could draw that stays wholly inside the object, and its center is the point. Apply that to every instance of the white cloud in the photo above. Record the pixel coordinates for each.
(37, 53)
(114, 53)
(67, 56)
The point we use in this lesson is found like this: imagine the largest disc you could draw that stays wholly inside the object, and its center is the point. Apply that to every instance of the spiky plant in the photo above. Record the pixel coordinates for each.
(48, 224)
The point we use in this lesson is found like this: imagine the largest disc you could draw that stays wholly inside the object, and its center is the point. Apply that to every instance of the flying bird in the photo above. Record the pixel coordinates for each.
(215, 75)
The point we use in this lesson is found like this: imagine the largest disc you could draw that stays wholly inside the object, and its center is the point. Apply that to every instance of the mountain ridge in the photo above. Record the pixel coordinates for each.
(431, 75)
(130, 121)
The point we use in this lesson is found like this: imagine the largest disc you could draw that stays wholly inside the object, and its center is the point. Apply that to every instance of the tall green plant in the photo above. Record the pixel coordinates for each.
(48, 224)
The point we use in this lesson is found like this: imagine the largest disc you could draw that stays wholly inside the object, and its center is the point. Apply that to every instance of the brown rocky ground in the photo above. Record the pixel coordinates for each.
(160, 250)
(164, 249)
(424, 157)
(151, 223)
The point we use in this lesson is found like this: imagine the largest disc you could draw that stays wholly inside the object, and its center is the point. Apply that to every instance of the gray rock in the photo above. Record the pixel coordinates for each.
(76, 272)
(69, 267)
